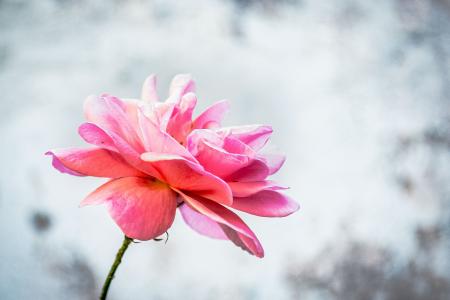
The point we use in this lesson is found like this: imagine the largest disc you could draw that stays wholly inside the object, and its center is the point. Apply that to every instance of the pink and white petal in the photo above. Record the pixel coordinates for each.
(235, 229)
(201, 223)
(266, 204)
(113, 115)
(273, 161)
(187, 104)
(131, 108)
(181, 84)
(99, 137)
(186, 175)
(244, 242)
(197, 136)
(256, 170)
(149, 92)
(225, 143)
(244, 189)
(155, 140)
(212, 116)
(217, 155)
(142, 208)
(218, 161)
(180, 123)
(96, 162)
(94, 135)
(133, 157)
(58, 165)
(255, 136)
(159, 113)
(234, 145)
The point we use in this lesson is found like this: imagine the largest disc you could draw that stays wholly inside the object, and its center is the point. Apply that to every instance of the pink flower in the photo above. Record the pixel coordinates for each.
(159, 158)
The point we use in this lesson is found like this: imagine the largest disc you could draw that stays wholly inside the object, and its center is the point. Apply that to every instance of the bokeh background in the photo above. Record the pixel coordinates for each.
(358, 93)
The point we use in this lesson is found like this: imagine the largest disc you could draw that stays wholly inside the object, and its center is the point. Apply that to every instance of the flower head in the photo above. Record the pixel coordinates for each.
(158, 157)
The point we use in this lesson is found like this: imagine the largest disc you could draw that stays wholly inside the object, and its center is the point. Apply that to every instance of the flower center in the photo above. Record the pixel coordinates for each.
(156, 183)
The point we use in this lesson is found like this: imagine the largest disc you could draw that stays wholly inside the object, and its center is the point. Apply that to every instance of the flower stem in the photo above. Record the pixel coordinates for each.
(115, 265)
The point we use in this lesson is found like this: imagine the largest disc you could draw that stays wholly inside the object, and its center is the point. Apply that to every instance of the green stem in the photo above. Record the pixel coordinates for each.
(112, 271)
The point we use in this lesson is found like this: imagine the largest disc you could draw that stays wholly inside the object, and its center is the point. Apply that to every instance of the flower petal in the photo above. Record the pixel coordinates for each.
(244, 242)
(99, 137)
(244, 189)
(114, 116)
(266, 204)
(274, 161)
(235, 229)
(201, 223)
(92, 162)
(159, 113)
(142, 208)
(218, 161)
(180, 123)
(94, 135)
(185, 175)
(181, 84)
(212, 116)
(217, 155)
(149, 92)
(255, 136)
(155, 140)
(58, 165)
(257, 170)
(227, 156)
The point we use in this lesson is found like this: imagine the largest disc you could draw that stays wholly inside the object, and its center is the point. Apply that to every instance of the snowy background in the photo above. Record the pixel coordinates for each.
(358, 93)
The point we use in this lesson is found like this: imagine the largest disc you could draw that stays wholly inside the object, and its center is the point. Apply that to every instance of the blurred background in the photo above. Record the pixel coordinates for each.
(358, 93)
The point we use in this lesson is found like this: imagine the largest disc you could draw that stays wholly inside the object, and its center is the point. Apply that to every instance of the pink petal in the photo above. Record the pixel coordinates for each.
(180, 123)
(198, 135)
(273, 161)
(58, 165)
(92, 162)
(155, 140)
(181, 84)
(131, 108)
(225, 143)
(244, 242)
(222, 157)
(201, 223)
(114, 116)
(185, 175)
(92, 134)
(97, 136)
(142, 208)
(244, 189)
(255, 136)
(236, 146)
(159, 113)
(217, 161)
(149, 92)
(235, 229)
(257, 170)
(227, 156)
(266, 204)
(212, 116)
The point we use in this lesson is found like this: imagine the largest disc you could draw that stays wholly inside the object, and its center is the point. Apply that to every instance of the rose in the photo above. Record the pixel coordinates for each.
(157, 157)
